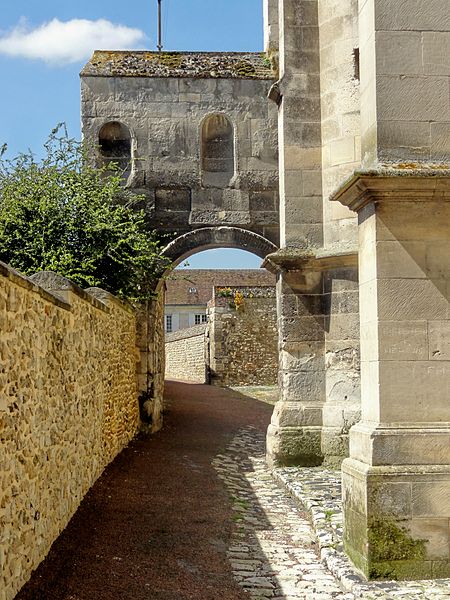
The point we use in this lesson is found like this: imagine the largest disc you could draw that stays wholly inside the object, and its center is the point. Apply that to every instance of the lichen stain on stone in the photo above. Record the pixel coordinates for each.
(243, 65)
(244, 69)
(416, 167)
(171, 60)
(392, 550)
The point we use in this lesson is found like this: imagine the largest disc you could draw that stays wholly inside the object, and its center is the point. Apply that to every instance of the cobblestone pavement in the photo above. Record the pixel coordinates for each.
(274, 551)
(319, 491)
(275, 548)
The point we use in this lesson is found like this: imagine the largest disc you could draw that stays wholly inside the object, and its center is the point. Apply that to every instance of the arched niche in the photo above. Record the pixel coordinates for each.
(217, 150)
(115, 146)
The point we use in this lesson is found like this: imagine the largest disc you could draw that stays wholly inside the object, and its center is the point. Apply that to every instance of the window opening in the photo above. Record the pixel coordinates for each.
(356, 64)
(199, 319)
(115, 146)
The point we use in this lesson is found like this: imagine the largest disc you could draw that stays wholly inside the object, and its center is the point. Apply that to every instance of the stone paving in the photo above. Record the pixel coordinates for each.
(287, 544)
(274, 551)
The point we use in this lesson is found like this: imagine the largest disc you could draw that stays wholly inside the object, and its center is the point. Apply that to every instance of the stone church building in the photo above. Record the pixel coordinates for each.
(329, 157)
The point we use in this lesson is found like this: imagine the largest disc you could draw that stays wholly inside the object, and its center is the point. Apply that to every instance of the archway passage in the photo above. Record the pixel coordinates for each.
(217, 237)
(221, 323)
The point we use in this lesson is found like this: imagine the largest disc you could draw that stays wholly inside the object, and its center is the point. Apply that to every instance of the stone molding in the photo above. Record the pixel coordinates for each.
(301, 260)
(303, 268)
(394, 185)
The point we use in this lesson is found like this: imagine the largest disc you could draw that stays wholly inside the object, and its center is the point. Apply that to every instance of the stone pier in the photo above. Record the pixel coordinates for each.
(396, 483)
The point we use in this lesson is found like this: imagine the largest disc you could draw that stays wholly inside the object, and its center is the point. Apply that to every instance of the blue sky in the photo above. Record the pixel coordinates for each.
(44, 44)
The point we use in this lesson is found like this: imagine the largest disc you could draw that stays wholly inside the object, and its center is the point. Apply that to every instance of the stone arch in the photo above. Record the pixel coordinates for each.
(207, 238)
(217, 150)
(115, 146)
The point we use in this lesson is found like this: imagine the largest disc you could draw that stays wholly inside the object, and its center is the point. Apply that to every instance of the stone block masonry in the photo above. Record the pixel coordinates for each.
(185, 354)
(202, 137)
(68, 406)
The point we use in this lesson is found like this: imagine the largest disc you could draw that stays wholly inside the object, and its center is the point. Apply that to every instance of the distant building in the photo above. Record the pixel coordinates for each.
(190, 290)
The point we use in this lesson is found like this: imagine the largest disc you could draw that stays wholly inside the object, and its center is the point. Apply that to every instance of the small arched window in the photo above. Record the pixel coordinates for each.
(217, 149)
(114, 141)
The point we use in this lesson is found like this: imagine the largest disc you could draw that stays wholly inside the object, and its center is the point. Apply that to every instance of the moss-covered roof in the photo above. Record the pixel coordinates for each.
(240, 65)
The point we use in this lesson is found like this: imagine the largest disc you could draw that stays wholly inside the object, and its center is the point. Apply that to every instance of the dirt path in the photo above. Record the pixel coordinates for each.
(157, 523)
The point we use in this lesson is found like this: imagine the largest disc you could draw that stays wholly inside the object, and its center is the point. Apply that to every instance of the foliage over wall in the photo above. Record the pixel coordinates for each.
(59, 213)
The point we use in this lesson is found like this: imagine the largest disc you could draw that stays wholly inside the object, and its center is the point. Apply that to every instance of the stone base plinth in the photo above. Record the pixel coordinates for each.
(396, 519)
(294, 446)
(337, 420)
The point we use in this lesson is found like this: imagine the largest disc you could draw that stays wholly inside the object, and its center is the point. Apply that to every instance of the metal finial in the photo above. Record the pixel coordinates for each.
(159, 45)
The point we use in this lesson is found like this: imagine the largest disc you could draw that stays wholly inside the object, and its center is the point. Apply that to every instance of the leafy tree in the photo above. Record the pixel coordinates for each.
(62, 214)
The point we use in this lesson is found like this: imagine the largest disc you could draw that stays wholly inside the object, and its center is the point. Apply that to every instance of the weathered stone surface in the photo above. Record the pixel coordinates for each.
(238, 346)
(68, 405)
(186, 354)
(398, 466)
(167, 102)
(243, 337)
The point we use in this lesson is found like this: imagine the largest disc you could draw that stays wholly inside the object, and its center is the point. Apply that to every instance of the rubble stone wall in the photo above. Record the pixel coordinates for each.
(185, 354)
(150, 371)
(243, 337)
(68, 405)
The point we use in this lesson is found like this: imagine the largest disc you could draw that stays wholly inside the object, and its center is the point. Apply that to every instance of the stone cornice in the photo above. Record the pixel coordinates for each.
(394, 185)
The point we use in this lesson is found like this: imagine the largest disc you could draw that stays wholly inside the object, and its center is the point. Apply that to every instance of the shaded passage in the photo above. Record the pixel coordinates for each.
(158, 523)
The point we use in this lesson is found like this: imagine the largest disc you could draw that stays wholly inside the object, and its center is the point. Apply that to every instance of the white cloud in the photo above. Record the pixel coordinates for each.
(67, 42)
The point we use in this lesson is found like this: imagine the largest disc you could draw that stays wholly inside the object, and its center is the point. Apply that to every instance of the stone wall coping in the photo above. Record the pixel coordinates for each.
(394, 184)
(317, 260)
(28, 283)
(206, 65)
(106, 297)
(52, 282)
(260, 288)
(183, 334)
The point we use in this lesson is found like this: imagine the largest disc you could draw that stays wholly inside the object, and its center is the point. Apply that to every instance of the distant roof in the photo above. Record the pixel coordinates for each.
(195, 286)
(239, 65)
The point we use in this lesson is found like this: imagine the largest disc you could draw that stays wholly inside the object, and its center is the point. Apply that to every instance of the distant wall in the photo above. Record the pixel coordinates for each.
(185, 354)
(243, 336)
(68, 405)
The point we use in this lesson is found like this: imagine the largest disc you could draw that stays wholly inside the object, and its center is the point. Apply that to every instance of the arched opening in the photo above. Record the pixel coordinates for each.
(114, 140)
(220, 319)
(217, 150)
(206, 238)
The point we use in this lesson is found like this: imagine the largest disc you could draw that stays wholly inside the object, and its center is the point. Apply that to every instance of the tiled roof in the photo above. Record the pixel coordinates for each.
(195, 286)
(238, 65)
